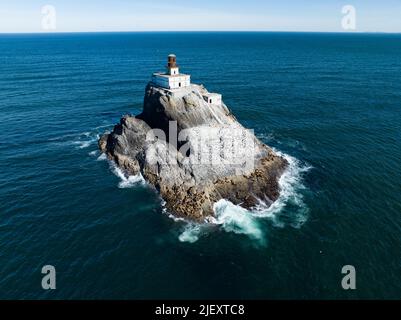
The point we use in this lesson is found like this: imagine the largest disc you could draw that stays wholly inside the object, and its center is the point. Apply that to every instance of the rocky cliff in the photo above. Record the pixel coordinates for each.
(194, 153)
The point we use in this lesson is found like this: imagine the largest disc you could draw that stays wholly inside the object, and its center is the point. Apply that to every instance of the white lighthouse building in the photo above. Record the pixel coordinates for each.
(172, 79)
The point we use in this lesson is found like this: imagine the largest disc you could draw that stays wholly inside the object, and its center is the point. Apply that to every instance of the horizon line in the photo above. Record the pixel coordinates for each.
(199, 31)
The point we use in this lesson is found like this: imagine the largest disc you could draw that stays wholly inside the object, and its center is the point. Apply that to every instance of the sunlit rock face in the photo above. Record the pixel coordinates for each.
(194, 152)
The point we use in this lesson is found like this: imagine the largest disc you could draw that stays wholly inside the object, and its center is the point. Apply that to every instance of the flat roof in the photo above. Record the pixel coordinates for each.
(209, 94)
(164, 75)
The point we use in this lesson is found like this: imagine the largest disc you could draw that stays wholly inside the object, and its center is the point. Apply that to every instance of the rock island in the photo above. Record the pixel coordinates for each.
(188, 145)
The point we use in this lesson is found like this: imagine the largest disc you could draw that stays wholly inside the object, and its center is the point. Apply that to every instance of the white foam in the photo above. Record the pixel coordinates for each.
(291, 187)
(233, 218)
(82, 144)
(236, 219)
(131, 181)
(127, 181)
(81, 140)
(191, 233)
(102, 157)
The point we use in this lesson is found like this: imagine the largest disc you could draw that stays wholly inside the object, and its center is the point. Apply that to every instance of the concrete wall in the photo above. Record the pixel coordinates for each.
(214, 98)
(173, 71)
(172, 82)
(179, 82)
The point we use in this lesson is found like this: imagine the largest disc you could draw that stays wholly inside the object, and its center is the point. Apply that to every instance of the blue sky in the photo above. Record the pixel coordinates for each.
(156, 15)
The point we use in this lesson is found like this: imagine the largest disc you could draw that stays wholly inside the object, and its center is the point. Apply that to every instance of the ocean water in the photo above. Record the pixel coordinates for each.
(330, 103)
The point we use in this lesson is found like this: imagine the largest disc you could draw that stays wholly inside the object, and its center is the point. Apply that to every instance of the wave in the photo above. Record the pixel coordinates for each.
(291, 187)
(236, 219)
(83, 144)
(289, 208)
(102, 157)
(127, 181)
(191, 233)
(81, 140)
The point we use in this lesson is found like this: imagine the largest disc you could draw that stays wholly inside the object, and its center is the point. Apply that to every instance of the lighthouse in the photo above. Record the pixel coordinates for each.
(172, 79)
(172, 67)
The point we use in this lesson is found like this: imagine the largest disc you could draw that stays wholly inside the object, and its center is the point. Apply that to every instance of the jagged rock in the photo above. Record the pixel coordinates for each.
(174, 164)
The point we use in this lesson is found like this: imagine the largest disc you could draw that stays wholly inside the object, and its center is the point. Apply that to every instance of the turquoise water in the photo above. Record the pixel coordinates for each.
(329, 102)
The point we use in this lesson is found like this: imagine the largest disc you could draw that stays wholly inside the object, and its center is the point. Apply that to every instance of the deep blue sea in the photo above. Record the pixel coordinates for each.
(329, 102)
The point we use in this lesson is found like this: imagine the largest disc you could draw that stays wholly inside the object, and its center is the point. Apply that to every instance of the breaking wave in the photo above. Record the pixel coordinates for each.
(93, 153)
(288, 209)
(191, 233)
(291, 196)
(102, 157)
(79, 140)
(127, 181)
(233, 218)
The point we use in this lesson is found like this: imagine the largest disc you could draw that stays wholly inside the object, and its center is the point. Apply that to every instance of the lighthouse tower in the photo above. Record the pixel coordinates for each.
(172, 79)
(172, 67)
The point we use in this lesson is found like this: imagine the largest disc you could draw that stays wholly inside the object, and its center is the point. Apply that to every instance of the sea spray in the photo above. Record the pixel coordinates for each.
(131, 181)
(191, 233)
(236, 219)
(127, 181)
(102, 157)
(81, 140)
(291, 196)
(90, 138)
